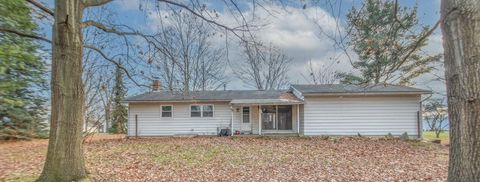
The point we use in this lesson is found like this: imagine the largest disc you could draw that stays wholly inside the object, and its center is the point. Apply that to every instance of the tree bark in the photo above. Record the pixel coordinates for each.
(65, 159)
(461, 41)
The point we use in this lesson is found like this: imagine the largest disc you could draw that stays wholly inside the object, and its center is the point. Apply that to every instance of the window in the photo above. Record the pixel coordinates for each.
(195, 111)
(167, 111)
(201, 110)
(246, 114)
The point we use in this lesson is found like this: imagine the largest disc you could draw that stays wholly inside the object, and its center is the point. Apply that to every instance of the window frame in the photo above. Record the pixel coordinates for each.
(201, 110)
(161, 111)
(190, 108)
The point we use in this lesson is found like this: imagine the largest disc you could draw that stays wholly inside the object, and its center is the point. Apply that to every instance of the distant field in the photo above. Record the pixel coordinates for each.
(430, 135)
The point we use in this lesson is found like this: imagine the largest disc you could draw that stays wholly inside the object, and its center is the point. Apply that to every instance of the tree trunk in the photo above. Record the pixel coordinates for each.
(65, 160)
(461, 41)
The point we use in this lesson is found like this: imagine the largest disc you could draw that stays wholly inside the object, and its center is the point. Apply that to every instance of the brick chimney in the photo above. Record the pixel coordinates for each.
(156, 85)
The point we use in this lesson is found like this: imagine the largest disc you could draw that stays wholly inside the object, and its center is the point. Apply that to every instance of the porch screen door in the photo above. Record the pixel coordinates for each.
(285, 117)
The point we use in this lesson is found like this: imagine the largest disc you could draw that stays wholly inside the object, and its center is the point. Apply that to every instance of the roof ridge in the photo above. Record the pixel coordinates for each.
(353, 88)
(220, 95)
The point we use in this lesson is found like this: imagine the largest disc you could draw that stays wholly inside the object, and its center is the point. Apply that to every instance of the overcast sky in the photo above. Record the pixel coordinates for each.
(292, 29)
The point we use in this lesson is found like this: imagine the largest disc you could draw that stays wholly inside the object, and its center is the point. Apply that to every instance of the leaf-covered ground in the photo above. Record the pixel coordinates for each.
(240, 159)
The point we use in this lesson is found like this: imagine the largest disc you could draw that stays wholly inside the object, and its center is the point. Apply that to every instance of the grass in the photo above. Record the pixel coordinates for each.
(430, 135)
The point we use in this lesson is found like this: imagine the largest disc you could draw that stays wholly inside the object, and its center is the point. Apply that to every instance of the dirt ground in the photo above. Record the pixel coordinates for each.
(114, 158)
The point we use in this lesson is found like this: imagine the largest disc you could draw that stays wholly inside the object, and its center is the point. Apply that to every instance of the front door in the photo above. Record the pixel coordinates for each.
(246, 123)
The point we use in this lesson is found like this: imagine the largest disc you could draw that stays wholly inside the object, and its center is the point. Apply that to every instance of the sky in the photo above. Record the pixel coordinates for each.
(291, 28)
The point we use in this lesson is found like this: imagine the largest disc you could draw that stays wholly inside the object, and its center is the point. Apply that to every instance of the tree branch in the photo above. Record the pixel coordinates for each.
(41, 6)
(7, 30)
(149, 38)
(107, 29)
(114, 62)
(202, 17)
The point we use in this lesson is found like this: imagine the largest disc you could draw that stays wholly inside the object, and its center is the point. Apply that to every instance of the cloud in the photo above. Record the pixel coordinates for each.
(296, 31)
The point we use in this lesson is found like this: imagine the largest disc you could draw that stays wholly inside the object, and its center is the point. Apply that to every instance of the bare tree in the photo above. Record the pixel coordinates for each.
(435, 114)
(265, 67)
(65, 159)
(97, 75)
(188, 60)
(461, 36)
(97, 92)
(320, 75)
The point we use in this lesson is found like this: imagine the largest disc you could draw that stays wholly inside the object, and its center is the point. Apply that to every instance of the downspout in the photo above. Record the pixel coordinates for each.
(129, 121)
(298, 119)
(231, 123)
(420, 122)
(136, 126)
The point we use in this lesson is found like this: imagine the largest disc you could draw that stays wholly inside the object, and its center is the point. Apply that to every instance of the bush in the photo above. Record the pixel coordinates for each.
(9, 133)
(389, 136)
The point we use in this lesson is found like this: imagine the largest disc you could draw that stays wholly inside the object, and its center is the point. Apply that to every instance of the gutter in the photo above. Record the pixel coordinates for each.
(175, 101)
(364, 93)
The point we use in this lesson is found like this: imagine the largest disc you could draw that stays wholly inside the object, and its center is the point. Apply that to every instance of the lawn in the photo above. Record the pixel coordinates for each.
(430, 135)
(240, 159)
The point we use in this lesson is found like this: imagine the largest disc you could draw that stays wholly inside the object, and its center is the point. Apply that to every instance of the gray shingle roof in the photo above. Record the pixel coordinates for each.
(229, 95)
(226, 95)
(347, 88)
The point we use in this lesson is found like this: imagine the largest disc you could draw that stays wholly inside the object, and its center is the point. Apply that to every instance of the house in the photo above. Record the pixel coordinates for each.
(310, 110)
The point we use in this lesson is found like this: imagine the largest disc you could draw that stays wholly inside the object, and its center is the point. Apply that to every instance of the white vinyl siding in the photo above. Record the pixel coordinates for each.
(367, 115)
(320, 115)
(237, 119)
(150, 122)
(302, 123)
